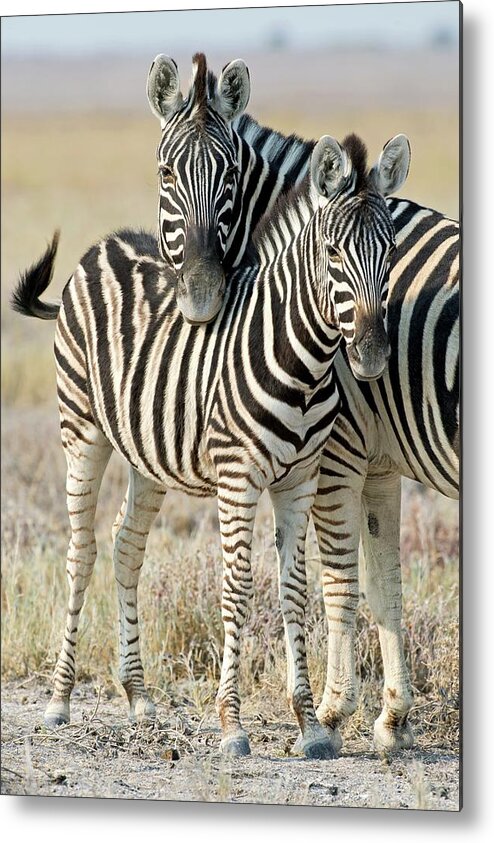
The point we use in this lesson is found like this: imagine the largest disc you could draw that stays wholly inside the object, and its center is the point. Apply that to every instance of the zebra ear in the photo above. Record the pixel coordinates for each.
(391, 170)
(163, 88)
(233, 90)
(330, 167)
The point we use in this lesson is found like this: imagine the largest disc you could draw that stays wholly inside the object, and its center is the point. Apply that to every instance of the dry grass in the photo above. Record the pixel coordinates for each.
(179, 596)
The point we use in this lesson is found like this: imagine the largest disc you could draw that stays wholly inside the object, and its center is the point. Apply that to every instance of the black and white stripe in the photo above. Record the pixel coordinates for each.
(242, 404)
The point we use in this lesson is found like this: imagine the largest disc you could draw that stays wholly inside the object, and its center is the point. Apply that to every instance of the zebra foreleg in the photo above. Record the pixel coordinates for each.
(130, 531)
(381, 503)
(87, 453)
(236, 516)
(291, 516)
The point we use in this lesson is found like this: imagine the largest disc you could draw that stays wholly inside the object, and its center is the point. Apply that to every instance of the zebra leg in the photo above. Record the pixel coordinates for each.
(130, 531)
(291, 517)
(87, 452)
(236, 524)
(336, 515)
(381, 543)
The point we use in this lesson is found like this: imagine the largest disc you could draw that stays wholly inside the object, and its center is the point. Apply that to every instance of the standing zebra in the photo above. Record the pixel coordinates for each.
(405, 425)
(242, 404)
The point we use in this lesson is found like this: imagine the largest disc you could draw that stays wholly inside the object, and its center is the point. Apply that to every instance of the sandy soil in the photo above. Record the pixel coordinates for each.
(101, 755)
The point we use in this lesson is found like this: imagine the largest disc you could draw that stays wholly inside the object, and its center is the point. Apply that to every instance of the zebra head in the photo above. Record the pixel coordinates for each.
(198, 176)
(357, 240)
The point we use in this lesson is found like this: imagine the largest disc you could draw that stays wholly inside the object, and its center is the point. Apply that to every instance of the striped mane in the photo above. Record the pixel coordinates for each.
(294, 206)
(202, 89)
(357, 152)
(269, 143)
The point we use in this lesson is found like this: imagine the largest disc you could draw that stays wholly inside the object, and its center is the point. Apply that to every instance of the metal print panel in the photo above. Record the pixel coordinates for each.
(242, 226)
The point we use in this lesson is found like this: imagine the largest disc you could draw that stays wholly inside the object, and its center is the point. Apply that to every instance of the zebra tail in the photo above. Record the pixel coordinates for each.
(33, 282)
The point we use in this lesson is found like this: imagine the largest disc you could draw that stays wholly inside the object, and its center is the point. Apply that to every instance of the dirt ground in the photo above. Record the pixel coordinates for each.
(100, 754)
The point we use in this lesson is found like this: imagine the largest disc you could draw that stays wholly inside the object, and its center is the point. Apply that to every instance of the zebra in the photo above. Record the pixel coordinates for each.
(376, 440)
(405, 424)
(214, 184)
(242, 404)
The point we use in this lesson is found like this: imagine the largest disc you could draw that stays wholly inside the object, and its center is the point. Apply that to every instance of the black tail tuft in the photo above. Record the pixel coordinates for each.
(33, 283)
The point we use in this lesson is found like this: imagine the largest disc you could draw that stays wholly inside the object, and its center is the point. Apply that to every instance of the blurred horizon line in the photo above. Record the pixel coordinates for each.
(343, 46)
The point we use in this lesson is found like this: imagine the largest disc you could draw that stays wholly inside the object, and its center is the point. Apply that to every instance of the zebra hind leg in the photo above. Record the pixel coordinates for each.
(381, 545)
(130, 531)
(87, 454)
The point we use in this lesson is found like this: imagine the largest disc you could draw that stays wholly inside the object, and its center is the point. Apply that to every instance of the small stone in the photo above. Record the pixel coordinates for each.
(58, 777)
(333, 790)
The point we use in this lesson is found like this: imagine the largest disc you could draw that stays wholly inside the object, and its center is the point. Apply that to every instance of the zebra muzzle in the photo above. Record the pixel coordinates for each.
(200, 295)
(201, 286)
(369, 353)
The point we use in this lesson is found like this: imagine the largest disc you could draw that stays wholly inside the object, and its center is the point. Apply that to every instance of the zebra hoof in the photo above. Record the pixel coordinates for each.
(235, 747)
(334, 739)
(391, 735)
(57, 714)
(319, 750)
(143, 711)
(55, 720)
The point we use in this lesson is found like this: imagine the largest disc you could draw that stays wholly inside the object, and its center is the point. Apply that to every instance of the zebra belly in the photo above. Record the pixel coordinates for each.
(395, 440)
(186, 456)
(427, 459)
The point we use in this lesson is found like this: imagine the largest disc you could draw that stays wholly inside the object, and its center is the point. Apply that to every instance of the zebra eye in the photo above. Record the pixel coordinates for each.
(334, 255)
(166, 173)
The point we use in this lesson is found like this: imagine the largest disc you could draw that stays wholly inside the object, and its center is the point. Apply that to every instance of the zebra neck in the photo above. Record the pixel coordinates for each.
(270, 164)
(286, 321)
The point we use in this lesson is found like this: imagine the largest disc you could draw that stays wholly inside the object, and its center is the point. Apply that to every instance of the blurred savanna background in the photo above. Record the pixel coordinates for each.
(78, 152)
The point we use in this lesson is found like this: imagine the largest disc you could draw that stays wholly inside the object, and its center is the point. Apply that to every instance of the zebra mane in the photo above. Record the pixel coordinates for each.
(298, 200)
(297, 204)
(357, 152)
(202, 88)
(272, 145)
